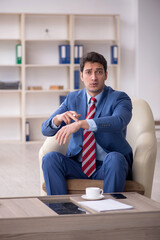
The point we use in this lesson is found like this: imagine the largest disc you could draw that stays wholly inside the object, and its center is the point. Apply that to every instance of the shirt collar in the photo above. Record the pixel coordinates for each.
(97, 97)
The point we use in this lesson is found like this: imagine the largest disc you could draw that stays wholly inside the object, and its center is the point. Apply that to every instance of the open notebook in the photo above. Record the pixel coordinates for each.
(105, 205)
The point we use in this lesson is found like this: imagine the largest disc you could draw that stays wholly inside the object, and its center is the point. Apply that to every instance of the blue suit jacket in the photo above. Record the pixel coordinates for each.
(113, 113)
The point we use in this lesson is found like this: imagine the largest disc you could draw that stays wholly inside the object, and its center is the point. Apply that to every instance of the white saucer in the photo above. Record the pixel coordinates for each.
(88, 198)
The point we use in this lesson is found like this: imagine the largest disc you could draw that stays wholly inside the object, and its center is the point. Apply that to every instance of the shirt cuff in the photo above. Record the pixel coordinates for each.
(53, 125)
(92, 125)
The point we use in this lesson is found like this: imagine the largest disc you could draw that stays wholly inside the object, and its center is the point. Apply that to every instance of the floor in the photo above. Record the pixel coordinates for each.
(19, 171)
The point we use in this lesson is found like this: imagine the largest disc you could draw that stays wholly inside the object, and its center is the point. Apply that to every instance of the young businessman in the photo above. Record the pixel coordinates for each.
(96, 118)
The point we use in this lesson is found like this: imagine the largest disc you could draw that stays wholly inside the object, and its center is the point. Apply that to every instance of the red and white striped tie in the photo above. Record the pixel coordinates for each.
(89, 145)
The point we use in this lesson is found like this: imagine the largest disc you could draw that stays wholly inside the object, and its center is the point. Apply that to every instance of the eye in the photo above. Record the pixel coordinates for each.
(100, 72)
(88, 72)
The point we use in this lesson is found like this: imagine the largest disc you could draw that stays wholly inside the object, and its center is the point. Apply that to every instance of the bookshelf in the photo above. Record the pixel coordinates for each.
(40, 36)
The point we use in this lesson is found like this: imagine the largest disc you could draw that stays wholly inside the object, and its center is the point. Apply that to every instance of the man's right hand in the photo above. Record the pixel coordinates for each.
(67, 117)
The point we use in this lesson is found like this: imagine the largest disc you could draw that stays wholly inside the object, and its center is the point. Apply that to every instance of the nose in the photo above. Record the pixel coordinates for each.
(93, 76)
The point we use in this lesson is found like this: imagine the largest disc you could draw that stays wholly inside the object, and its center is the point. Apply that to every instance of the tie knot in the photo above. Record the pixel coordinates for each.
(93, 99)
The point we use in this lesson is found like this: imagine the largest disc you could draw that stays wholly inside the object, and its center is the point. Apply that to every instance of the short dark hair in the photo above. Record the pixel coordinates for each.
(93, 57)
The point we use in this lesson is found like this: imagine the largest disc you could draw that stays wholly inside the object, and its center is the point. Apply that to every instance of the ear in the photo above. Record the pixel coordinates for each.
(81, 76)
(106, 75)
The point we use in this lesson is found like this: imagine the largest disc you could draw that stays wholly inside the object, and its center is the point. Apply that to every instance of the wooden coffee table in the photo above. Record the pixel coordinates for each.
(30, 218)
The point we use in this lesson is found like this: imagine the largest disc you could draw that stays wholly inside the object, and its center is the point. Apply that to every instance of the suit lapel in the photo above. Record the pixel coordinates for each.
(101, 103)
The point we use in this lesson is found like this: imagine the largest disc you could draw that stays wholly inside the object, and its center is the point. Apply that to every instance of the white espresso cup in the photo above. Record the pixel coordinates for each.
(93, 192)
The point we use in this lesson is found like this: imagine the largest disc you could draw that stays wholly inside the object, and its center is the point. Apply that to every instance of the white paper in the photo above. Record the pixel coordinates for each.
(105, 205)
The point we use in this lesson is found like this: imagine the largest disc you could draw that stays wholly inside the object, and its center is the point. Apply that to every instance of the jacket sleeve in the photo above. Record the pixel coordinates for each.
(119, 116)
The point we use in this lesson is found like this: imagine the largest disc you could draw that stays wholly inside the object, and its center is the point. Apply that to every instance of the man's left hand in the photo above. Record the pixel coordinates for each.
(66, 131)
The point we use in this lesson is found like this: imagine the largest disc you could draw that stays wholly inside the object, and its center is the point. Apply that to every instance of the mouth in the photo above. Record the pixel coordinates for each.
(93, 85)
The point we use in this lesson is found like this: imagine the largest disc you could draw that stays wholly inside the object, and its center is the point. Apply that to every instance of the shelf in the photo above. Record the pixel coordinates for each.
(10, 65)
(10, 91)
(108, 41)
(10, 39)
(40, 36)
(35, 141)
(113, 65)
(47, 65)
(47, 91)
(10, 117)
(38, 116)
(47, 40)
(105, 41)
(10, 141)
(109, 65)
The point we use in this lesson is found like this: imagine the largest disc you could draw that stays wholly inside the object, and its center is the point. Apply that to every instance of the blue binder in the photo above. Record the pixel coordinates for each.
(114, 54)
(76, 79)
(78, 53)
(27, 131)
(64, 54)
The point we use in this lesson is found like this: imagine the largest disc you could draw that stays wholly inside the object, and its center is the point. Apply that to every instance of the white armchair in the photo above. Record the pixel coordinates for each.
(140, 135)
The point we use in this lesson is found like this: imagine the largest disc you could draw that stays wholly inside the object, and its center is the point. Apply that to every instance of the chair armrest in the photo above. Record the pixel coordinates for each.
(49, 145)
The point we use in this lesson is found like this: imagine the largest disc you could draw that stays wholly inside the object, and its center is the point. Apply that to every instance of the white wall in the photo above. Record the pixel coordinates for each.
(139, 70)
(148, 60)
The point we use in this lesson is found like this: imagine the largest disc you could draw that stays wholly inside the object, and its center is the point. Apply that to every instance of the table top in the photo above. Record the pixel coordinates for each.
(139, 203)
(26, 207)
(30, 218)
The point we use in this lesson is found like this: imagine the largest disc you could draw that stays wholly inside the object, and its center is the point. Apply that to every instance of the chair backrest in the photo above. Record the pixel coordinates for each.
(142, 121)
(141, 136)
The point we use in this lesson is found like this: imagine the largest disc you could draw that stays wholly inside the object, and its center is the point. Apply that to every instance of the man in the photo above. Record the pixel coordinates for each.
(96, 118)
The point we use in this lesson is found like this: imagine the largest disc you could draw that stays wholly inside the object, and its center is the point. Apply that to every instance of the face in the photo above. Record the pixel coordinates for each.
(93, 77)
